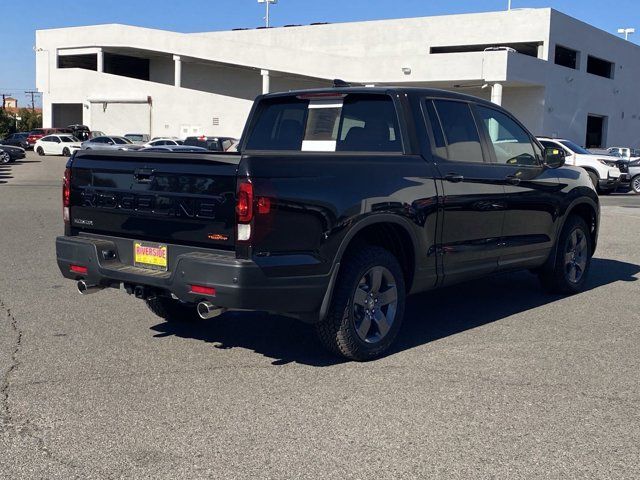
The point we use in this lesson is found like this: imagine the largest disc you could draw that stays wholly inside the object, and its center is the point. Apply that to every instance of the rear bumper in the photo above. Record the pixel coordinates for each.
(239, 283)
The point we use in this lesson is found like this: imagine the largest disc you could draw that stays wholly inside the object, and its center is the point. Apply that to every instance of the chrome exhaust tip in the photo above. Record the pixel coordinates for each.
(207, 310)
(85, 289)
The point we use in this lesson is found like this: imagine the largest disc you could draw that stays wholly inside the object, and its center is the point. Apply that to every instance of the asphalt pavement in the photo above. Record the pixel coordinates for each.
(490, 379)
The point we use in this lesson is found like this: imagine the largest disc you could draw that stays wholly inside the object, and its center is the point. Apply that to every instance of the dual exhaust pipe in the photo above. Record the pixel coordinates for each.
(206, 310)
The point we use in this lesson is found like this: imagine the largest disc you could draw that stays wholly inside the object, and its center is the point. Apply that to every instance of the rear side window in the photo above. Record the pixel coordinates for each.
(460, 131)
(352, 123)
(279, 125)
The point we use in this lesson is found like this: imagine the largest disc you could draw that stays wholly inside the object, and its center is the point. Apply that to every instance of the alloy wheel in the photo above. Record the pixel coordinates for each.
(575, 257)
(4, 158)
(635, 184)
(375, 302)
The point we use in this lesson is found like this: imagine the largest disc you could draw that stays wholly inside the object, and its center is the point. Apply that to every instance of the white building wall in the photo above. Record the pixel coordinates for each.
(573, 94)
(221, 70)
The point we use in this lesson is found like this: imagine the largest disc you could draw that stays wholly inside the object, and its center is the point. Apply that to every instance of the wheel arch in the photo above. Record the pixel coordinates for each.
(589, 211)
(392, 232)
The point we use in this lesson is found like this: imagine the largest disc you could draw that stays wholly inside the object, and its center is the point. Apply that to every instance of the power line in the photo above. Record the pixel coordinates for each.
(33, 94)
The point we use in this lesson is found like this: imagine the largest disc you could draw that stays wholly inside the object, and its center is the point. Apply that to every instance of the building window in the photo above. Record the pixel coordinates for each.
(566, 57)
(126, 66)
(597, 66)
(524, 48)
(87, 61)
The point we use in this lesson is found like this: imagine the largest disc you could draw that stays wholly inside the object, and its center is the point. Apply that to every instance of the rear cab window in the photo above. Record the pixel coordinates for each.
(327, 123)
(456, 136)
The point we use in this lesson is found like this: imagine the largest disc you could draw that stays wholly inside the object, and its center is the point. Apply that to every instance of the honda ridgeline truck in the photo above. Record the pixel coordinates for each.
(339, 204)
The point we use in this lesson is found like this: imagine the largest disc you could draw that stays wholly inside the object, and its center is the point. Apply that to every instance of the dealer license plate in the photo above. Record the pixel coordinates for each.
(150, 255)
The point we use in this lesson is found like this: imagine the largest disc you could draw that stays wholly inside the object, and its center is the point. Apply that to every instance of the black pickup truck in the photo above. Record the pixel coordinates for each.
(339, 204)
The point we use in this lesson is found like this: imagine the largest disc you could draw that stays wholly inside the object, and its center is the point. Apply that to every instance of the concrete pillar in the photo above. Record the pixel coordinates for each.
(100, 55)
(496, 93)
(177, 78)
(266, 81)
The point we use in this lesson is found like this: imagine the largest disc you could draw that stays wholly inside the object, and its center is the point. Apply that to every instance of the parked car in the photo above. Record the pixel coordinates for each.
(110, 143)
(165, 137)
(37, 134)
(606, 171)
(63, 144)
(625, 153)
(10, 153)
(17, 140)
(137, 138)
(163, 141)
(81, 132)
(214, 144)
(634, 176)
(332, 213)
(174, 148)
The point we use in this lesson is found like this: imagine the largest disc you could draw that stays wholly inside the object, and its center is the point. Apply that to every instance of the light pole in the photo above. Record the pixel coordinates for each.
(626, 32)
(268, 3)
(509, 5)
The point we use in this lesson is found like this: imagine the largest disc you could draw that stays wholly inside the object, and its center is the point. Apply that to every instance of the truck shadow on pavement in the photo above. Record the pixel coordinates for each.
(429, 316)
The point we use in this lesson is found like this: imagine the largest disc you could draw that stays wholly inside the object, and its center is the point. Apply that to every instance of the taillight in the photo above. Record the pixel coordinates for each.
(244, 206)
(66, 194)
(247, 206)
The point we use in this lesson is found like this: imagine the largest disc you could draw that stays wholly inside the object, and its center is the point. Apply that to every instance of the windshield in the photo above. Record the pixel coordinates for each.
(69, 139)
(121, 141)
(635, 152)
(575, 148)
(135, 138)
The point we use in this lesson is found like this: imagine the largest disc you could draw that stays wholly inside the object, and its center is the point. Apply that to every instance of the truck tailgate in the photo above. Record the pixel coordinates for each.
(180, 198)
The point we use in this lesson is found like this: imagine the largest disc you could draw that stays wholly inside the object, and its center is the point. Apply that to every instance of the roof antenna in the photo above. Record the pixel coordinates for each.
(337, 83)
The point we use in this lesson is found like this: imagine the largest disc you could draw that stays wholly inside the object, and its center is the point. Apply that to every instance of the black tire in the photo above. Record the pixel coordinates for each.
(40, 151)
(172, 311)
(5, 158)
(560, 278)
(338, 331)
(65, 152)
(635, 185)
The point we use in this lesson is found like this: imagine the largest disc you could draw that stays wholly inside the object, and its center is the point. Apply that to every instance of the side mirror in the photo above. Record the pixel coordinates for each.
(553, 157)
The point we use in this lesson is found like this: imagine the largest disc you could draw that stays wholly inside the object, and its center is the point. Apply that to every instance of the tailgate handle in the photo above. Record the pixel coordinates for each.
(143, 175)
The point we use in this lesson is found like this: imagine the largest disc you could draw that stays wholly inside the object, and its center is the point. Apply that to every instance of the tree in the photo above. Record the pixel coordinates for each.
(7, 124)
(29, 120)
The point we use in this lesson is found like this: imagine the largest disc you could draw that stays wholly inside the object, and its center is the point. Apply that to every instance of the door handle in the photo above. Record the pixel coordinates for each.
(454, 178)
(513, 180)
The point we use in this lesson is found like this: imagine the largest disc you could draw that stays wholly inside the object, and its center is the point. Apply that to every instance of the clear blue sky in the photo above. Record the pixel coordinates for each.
(17, 32)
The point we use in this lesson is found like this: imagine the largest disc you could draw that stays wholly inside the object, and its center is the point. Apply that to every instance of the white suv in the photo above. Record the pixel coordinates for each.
(602, 169)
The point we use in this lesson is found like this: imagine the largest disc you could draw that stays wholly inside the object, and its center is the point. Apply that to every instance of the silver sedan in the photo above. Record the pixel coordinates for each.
(109, 143)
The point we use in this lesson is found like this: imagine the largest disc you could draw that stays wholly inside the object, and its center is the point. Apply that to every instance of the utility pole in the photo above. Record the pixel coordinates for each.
(33, 100)
(4, 95)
